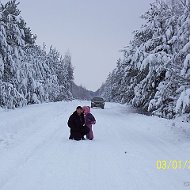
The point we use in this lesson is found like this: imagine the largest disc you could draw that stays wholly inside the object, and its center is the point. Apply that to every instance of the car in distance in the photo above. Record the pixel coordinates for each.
(97, 102)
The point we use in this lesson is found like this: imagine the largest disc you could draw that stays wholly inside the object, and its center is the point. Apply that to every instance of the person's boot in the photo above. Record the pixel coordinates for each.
(71, 137)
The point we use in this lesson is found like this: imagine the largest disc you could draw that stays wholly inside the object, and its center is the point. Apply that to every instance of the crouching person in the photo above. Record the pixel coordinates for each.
(77, 126)
(89, 121)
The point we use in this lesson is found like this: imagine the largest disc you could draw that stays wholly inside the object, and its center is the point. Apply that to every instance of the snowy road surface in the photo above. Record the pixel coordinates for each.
(35, 153)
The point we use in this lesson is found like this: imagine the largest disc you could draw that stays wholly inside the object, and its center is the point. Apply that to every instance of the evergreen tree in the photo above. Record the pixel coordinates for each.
(154, 71)
(28, 74)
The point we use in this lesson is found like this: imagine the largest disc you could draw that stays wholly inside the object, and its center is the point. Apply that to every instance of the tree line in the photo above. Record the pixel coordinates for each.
(28, 72)
(153, 73)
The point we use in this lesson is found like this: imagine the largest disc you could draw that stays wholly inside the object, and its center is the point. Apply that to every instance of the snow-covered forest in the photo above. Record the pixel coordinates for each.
(153, 73)
(28, 72)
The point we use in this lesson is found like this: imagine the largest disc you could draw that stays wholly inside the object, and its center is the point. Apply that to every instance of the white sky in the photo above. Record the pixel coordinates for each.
(92, 30)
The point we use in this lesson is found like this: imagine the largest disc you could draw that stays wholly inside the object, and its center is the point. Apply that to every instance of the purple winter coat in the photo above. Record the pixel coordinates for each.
(89, 121)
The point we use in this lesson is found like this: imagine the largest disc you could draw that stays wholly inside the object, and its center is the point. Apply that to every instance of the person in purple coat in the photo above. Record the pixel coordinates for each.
(89, 121)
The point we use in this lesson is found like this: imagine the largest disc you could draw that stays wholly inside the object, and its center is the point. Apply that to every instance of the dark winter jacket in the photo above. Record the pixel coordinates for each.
(76, 121)
(76, 124)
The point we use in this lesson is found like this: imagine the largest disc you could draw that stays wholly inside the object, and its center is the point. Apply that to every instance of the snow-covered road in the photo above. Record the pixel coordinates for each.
(35, 153)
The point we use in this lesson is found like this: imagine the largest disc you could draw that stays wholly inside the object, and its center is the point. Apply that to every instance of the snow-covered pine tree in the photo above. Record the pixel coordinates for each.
(155, 65)
(67, 78)
(28, 74)
(11, 54)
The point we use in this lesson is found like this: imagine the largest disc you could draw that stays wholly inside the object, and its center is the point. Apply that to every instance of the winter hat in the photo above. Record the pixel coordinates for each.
(86, 109)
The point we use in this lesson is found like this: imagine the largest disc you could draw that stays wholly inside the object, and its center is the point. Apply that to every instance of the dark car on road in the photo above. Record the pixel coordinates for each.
(97, 102)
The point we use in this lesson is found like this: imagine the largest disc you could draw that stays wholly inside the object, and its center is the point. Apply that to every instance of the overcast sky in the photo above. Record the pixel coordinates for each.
(92, 30)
